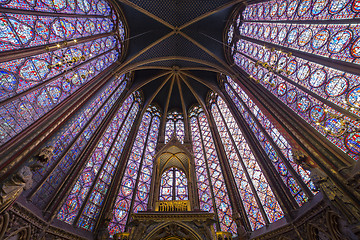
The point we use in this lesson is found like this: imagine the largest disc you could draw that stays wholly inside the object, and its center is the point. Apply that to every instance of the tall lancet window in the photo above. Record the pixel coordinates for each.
(174, 125)
(173, 185)
(290, 60)
(72, 139)
(258, 199)
(84, 202)
(133, 193)
(274, 144)
(213, 194)
(67, 43)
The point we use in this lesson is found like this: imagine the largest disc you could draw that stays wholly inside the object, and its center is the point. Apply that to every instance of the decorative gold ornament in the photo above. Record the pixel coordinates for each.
(173, 206)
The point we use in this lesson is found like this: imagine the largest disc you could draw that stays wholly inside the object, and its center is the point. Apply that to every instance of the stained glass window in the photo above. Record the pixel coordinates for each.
(213, 194)
(271, 140)
(135, 184)
(302, 10)
(173, 185)
(101, 185)
(287, 59)
(323, 82)
(174, 125)
(68, 44)
(255, 191)
(99, 168)
(72, 139)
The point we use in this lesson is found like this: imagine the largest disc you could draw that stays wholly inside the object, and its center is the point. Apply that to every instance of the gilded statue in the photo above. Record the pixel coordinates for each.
(22, 180)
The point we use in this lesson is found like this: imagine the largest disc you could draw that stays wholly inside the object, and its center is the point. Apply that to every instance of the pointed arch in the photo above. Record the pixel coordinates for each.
(155, 231)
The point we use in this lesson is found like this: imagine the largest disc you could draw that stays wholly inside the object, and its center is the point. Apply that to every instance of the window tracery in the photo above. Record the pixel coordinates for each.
(135, 184)
(324, 95)
(98, 171)
(70, 141)
(69, 43)
(173, 185)
(302, 10)
(213, 194)
(38, 88)
(271, 139)
(175, 125)
(260, 203)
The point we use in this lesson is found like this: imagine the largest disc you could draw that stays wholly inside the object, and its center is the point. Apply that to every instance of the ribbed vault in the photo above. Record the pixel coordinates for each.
(165, 87)
(178, 54)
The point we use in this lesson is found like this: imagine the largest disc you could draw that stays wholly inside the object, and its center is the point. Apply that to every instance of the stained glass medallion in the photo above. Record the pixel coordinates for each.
(319, 6)
(339, 41)
(353, 97)
(312, 38)
(353, 142)
(320, 39)
(33, 26)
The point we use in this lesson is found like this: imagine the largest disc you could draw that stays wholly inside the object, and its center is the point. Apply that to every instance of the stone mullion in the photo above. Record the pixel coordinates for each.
(318, 97)
(114, 188)
(337, 64)
(293, 125)
(131, 210)
(315, 145)
(86, 201)
(194, 200)
(24, 93)
(164, 118)
(64, 189)
(162, 127)
(245, 169)
(174, 133)
(154, 189)
(152, 194)
(6, 56)
(209, 176)
(173, 183)
(281, 192)
(46, 176)
(303, 186)
(40, 131)
(234, 195)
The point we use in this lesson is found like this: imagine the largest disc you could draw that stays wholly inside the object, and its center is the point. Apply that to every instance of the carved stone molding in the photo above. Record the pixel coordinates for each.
(320, 222)
(20, 181)
(4, 221)
(21, 223)
(160, 225)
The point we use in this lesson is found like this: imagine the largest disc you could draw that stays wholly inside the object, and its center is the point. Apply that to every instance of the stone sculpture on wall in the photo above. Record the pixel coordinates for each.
(333, 195)
(22, 180)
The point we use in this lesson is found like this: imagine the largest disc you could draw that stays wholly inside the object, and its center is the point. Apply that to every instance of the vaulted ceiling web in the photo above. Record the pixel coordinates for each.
(175, 49)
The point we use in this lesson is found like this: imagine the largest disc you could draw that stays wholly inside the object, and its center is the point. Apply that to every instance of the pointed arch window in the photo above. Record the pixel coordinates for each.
(173, 185)
(258, 199)
(67, 45)
(72, 139)
(323, 93)
(175, 125)
(274, 144)
(84, 201)
(133, 193)
(213, 194)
